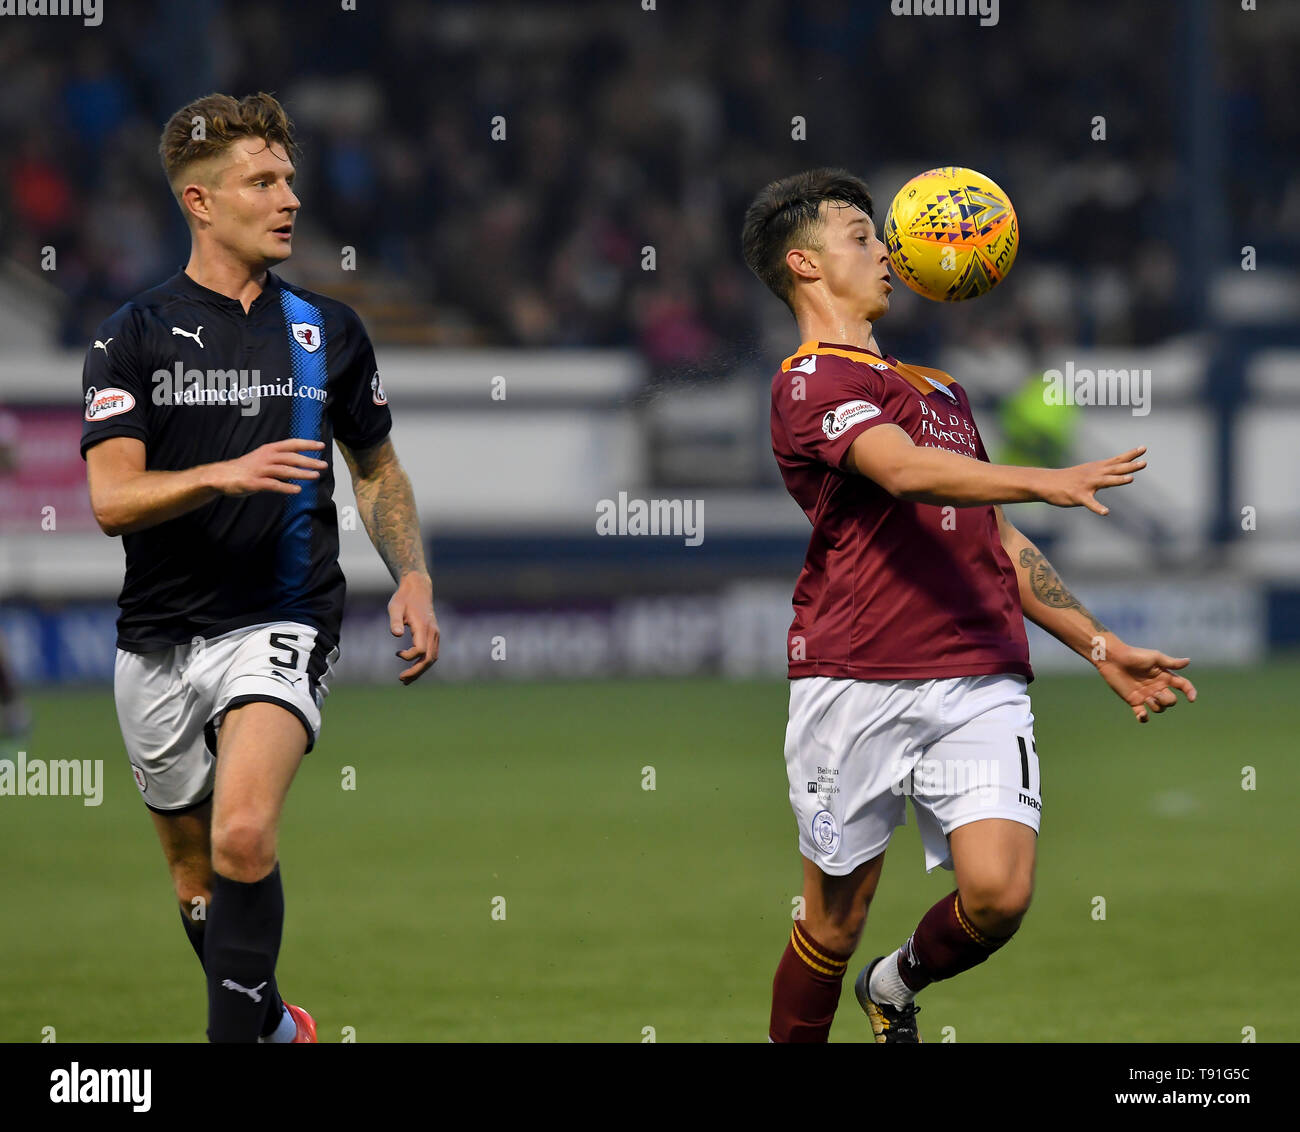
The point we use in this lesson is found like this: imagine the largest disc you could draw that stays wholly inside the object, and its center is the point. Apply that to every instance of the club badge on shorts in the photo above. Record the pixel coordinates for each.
(825, 832)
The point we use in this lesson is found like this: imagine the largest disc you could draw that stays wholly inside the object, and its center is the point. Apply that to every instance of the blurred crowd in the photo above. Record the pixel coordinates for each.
(627, 129)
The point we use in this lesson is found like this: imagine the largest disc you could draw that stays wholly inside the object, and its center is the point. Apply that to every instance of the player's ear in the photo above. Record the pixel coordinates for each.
(800, 261)
(195, 203)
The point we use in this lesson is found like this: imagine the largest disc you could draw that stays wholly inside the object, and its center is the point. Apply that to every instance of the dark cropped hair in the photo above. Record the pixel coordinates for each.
(787, 214)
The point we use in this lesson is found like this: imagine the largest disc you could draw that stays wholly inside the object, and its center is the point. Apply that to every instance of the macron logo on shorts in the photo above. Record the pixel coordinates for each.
(850, 413)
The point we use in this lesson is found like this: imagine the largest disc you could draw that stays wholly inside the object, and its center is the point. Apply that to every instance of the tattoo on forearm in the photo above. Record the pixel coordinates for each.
(387, 507)
(1046, 585)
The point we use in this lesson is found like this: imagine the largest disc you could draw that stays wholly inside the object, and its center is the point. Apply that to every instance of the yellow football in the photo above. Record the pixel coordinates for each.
(951, 234)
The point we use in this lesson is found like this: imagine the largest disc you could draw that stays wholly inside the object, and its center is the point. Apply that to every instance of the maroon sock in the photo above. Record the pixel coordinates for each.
(944, 944)
(806, 989)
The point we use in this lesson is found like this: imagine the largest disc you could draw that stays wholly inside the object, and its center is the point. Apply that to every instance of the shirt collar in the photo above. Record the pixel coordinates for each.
(819, 345)
(185, 285)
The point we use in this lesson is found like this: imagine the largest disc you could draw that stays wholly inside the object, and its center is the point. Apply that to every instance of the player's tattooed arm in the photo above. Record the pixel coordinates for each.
(1046, 600)
(387, 507)
(1046, 585)
(1145, 679)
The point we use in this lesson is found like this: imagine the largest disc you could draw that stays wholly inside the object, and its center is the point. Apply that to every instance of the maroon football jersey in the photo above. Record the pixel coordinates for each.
(890, 590)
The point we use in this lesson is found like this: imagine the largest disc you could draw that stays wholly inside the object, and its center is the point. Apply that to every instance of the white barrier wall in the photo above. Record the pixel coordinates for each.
(503, 441)
(491, 440)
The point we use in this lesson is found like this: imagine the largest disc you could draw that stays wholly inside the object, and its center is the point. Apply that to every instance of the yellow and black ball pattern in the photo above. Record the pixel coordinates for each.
(951, 234)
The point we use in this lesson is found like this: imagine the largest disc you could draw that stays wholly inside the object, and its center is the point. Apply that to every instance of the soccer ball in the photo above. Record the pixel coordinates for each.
(951, 234)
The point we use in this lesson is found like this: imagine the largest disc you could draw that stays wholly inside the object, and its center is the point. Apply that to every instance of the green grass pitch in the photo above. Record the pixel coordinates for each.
(627, 908)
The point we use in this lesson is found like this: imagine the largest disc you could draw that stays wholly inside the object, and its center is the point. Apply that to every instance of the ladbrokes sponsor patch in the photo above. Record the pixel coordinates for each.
(850, 413)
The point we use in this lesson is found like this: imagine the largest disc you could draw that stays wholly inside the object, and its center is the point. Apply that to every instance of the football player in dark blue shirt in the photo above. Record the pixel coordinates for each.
(211, 405)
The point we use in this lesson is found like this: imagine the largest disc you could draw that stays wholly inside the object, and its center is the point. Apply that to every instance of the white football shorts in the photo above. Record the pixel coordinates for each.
(962, 748)
(171, 702)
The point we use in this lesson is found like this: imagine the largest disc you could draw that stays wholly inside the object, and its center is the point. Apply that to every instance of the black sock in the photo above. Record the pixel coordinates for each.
(241, 946)
(196, 933)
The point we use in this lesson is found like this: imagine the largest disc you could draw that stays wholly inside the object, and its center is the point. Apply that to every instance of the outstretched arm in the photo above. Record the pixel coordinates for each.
(1142, 678)
(914, 472)
(387, 507)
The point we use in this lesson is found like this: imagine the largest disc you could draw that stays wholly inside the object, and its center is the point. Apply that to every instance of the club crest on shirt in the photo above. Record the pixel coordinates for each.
(850, 413)
(377, 394)
(104, 403)
(307, 335)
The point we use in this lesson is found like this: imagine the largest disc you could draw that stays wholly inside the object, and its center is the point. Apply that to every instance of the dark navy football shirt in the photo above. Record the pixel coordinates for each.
(188, 372)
